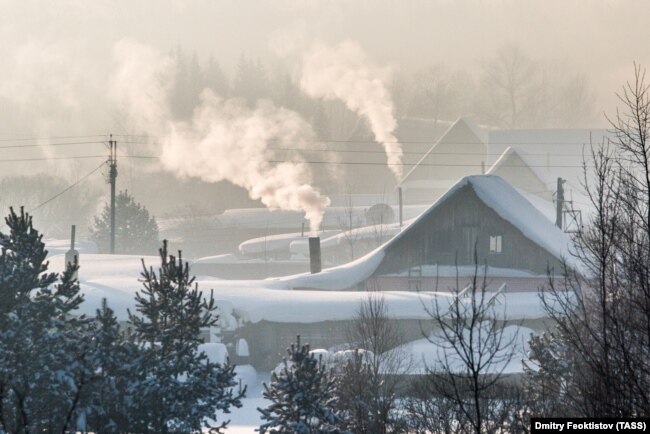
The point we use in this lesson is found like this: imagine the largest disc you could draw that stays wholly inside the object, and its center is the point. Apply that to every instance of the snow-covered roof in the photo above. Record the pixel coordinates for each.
(117, 278)
(334, 217)
(279, 242)
(550, 153)
(363, 233)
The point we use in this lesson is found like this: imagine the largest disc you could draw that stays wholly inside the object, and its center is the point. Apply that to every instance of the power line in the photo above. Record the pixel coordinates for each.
(49, 144)
(353, 163)
(71, 186)
(404, 152)
(29, 139)
(359, 151)
(362, 163)
(80, 157)
(415, 142)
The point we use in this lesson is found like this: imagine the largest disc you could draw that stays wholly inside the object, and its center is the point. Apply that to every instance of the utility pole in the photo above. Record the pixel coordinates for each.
(401, 206)
(559, 202)
(112, 177)
(72, 255)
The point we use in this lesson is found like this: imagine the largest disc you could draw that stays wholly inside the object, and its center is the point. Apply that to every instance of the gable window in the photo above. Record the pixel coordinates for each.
(496, 243)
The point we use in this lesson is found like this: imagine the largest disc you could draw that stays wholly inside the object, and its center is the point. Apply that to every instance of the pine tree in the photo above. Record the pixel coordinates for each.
(302, 395)
(250, 81)
(43, 344)
(135, 231)
(355, 396)
(113, 357)
(176, 388)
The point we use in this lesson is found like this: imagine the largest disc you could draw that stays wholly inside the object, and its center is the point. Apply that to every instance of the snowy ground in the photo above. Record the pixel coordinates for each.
(246, 419)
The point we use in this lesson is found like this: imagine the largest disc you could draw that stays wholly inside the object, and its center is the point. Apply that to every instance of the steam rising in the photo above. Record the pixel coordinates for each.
(343, 72)
(225, 139)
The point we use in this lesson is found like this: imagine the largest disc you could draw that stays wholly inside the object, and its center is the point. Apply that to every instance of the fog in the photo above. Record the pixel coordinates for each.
(192, 81)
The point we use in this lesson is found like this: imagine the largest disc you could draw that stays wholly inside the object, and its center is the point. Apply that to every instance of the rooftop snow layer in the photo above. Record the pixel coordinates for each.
(279, 242)
(337, 278)
(116, 278)
(356, 234)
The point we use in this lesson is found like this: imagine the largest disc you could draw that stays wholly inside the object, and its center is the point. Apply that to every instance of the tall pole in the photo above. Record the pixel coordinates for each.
(112, 177)
(559, 203)
(401, 206)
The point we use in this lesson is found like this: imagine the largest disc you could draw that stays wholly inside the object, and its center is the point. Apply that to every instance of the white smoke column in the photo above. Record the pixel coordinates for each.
(225, 140)
(344, 72)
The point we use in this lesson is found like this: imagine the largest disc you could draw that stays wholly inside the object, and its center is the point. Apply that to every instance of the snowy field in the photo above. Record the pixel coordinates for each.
(246, 419)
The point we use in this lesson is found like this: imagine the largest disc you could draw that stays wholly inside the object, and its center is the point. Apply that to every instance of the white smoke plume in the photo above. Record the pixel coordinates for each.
(344, 72)
(225, 140)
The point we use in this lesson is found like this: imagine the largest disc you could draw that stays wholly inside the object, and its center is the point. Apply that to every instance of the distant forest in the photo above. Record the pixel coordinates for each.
(512, 89)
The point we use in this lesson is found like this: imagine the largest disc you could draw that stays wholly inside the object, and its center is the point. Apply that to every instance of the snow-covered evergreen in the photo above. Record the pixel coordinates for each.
(44, 347)
(176, 387)
(303, 397)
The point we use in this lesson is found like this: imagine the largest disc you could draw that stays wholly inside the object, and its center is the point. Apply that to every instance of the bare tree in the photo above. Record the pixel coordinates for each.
(512, 81)
(441, 94)
(467, 382)
(600, 349)
(518, 91)
(369, 382)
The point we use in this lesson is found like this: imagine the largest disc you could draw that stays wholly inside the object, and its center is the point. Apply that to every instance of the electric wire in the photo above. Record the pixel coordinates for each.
(68, 188)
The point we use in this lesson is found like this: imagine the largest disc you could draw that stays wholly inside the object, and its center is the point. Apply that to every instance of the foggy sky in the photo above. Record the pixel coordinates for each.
(58, 63)
(600, 38)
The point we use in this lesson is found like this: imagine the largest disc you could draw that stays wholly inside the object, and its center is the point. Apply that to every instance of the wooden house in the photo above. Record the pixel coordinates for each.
(481, 221)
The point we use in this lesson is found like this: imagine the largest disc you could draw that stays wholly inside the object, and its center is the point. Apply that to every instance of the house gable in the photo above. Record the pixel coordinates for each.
(514, 170)
(459, 152)
(448, 234)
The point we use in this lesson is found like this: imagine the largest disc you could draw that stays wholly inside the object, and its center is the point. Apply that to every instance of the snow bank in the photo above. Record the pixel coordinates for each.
(246, 376)
(216, 352)
(435, 354)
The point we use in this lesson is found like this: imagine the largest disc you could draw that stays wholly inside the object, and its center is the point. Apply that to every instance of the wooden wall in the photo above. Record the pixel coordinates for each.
(448, 234)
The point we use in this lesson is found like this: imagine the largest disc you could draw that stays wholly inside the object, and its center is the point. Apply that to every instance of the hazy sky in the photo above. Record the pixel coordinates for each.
(598, 37)
(58, 57)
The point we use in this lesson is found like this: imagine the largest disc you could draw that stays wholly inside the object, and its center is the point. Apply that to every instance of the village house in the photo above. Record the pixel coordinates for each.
(481, 227)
